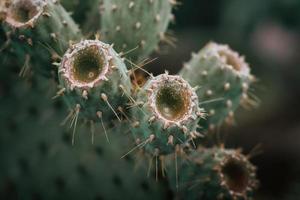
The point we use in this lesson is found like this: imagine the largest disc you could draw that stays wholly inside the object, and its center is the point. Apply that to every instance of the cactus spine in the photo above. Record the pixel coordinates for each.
(224, 79)
(136, 25)
(168, 114)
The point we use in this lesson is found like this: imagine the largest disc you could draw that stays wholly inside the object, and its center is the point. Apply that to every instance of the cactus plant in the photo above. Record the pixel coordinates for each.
(223, 78)
(45, 164)
(162, 117)
(213, 173)
(167, 114)
(41, 29)
(136, 26)
(93, 78)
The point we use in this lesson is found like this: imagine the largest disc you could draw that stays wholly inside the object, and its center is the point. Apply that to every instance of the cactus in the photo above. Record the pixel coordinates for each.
(213, 173)
(167, 114)
(93, 79)
(162, 117)
(136, 26)
(85, 13)
(41, 29)
(45, 165)
(223, 78)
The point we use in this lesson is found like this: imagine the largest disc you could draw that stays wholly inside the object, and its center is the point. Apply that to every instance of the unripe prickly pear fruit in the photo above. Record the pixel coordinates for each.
(135, 25)
(94, 80)
(224, 79)
(214, 173)
(167, 114)
(41, 29)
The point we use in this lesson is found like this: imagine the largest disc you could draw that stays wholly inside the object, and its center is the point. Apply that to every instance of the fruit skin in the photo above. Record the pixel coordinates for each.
(104, 95)
(222, 88)
(200, 174)
(159, 134)
(45, 37)
(135, 25)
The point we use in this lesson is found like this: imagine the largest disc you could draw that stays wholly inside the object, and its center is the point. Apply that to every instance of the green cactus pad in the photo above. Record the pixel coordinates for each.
(167, 114)
(94, 79)
(41, 29)
(136, 25)
(223, 79)
(39, 162)
(214, 173)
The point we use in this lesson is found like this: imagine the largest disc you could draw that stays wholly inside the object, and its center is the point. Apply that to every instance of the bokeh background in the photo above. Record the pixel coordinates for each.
(267, 32)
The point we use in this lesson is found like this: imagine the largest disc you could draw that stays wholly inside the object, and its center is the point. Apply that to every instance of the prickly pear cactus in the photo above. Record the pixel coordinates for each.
(136, 26)
(112, 118)
(40, 32)
(39, 161)
(94, 80)
(167, 114)
(213, 173)
(223, 78)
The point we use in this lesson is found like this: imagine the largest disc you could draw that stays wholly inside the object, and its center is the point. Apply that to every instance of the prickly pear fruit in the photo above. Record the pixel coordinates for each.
(214, 173)
(166, 114)
(94, 80)
(223, 78)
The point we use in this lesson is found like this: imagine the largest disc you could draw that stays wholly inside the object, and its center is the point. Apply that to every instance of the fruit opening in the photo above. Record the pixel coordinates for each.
(172, 101)
(236, 175)
(231, 59)
(22, 11)
(87, 64)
